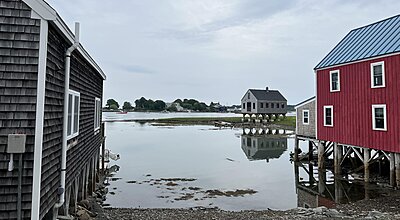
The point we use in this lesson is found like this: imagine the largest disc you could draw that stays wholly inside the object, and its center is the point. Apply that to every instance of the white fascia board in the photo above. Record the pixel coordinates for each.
(48, 13)
(298, 106)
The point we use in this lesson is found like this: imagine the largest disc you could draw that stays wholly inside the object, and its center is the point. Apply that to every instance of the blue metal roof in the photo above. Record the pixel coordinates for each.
(380, 38)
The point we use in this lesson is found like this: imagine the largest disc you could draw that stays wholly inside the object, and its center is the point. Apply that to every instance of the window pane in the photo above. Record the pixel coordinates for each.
(335, 81)
(306, 114)
(277, 105)
(379, 123)
(76, 114)
(328, 121)
(305, 120)
(378, 79)
(262, 105)
(69, 126)
(266, 105)
(328, 116)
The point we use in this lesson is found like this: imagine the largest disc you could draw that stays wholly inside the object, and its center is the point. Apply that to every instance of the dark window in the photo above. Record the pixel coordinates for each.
(305, 117)
(328, 116)
(377, 75)
(379, 113)
(283, 105)
(248, 95)
(244, 105)
(335, 81)
(272, 105)
(266, 105)
(254, 105)
(277, 105)
(261, 105)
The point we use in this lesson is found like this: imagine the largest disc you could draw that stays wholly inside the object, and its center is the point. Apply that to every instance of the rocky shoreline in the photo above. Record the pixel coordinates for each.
(385, 207)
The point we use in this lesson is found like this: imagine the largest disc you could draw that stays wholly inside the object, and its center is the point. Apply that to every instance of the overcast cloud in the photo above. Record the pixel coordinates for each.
(214, 50)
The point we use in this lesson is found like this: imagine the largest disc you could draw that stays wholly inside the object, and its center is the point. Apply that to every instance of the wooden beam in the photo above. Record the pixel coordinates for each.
(367, 156)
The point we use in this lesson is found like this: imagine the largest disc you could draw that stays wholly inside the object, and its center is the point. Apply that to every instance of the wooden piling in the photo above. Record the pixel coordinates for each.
(310, 150)
(397, 168)
(321, 181)
(321, 158)
(103, 148)
(367, 156)
(338, 155)
(296, 149)
(392, 170)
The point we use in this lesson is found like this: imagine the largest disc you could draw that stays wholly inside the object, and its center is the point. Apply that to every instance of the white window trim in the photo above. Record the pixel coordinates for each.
(74, 94)
(384, 116)
(97, 113)
(308, 111)
(383, 74)
(326, 107)
(330, 80)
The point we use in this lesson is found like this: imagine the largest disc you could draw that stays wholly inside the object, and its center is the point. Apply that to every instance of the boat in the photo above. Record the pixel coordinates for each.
(122, 112)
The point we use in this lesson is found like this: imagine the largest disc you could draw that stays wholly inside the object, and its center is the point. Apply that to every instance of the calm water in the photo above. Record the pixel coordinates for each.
(217, 159)
(190, 166)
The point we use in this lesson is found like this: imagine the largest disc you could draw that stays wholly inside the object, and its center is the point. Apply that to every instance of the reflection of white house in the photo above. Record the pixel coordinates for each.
(263, 147)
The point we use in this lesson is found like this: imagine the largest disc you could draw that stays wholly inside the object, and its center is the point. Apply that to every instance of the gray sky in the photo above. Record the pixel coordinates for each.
(214, 50)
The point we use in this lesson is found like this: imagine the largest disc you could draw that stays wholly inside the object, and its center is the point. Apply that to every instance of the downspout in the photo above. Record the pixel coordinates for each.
(65, 122)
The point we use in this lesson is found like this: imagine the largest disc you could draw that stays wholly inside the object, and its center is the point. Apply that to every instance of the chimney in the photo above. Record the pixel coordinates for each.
(266, 89)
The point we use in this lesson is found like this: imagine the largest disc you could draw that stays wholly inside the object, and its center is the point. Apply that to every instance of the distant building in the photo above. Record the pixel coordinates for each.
(264, 102)
(305, 118)
(35, 128)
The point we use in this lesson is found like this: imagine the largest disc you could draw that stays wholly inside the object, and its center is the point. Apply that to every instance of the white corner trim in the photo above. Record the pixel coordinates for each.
(384, 116)
(41, 83)
(383, 74)
(330, 80)
(42, 9)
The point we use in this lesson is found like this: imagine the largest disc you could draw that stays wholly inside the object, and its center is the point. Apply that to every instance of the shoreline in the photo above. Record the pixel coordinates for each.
(289, 123)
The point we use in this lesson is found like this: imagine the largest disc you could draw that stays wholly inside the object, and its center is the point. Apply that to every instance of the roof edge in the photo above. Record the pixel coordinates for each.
(305, 102)
(45, 11)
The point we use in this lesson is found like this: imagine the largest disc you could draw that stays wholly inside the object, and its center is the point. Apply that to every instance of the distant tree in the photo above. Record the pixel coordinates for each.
(178, 101)
(127, 106)
(159, 105)
(112, 104)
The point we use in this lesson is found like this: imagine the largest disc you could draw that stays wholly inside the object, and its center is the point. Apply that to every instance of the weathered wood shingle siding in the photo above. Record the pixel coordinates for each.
(306, 130)
(19, 52)
(86, 80)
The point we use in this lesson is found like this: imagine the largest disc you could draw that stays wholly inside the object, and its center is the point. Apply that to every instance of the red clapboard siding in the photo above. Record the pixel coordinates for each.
(353, 105)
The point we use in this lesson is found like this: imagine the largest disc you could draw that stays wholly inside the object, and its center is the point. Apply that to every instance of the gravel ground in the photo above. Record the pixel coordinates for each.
(381, 208)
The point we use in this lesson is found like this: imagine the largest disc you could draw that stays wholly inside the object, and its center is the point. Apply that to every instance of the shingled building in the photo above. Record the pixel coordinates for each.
(50, 98)
(264, 103)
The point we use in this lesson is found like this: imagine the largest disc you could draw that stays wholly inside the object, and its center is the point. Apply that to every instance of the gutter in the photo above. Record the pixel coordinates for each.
(65, 122)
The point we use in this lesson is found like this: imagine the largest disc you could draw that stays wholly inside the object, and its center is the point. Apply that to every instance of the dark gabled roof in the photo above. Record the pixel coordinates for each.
(270, 95)
(380, 38)
(305, 101)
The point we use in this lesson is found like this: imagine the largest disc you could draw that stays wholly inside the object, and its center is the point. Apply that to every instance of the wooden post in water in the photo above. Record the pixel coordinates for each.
(392, 170)
(397, 168)
(310, 150)
(338, 155)
(296, 149)
(321, 158)
(367, 155)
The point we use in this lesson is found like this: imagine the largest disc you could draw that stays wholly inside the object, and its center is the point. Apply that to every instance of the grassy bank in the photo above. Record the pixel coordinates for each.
(289, 121)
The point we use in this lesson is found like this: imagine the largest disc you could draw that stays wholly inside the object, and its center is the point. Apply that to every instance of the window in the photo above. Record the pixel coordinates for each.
(97, 113)
(261, 105)
(244, 105)
(328, 116)
(73, 114)
(266, 105)
(306, 117)
(277, 105)
(379, 117)
(378, 75)
(248, 95)
(283, 105)
(272, 105)
(334, 80)
(254, 105)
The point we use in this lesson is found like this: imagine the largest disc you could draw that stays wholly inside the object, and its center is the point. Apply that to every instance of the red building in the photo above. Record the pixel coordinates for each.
(358, 88)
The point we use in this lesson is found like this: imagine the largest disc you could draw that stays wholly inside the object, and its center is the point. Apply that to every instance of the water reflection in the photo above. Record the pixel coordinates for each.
(316, 188)
(263, 147)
